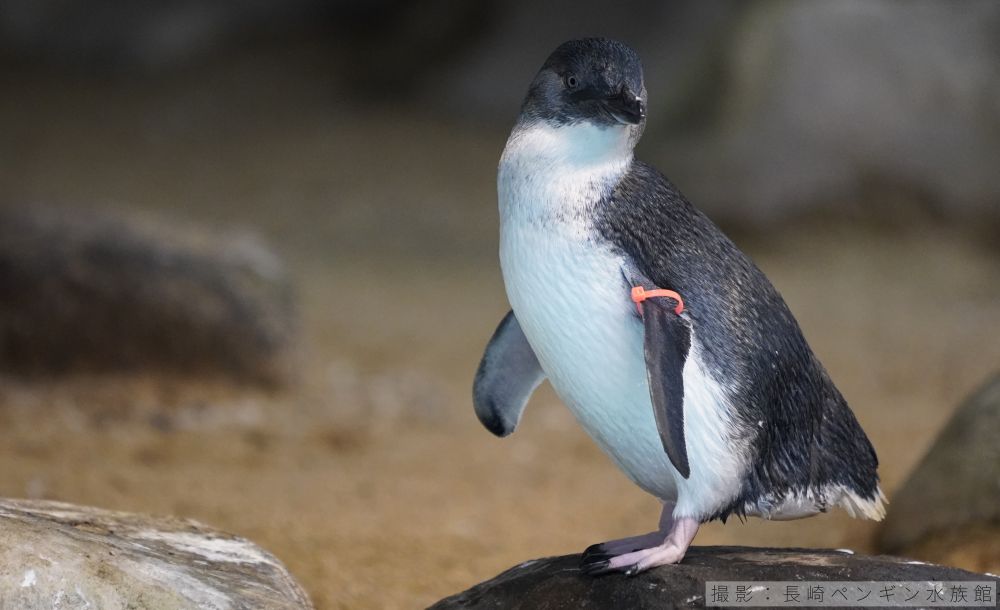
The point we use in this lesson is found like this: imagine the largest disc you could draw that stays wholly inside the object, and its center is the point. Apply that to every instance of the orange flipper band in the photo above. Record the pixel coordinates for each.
(640, 294)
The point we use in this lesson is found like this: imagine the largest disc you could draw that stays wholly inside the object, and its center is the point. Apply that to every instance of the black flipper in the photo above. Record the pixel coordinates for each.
(667, 341)
(508, 373)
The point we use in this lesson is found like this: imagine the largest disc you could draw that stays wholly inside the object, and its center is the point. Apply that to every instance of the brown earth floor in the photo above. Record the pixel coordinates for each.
(370, 477)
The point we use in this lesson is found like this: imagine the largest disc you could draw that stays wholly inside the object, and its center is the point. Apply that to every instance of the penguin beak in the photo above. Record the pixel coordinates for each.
(625, 107)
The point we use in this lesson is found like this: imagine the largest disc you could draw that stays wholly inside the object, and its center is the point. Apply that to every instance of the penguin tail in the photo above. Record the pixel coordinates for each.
(871, 507)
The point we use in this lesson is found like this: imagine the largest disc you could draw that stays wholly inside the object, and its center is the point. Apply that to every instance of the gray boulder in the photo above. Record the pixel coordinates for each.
(97, 291)
(557, 582)
(56, 555)
(957, 483)
(851, 101)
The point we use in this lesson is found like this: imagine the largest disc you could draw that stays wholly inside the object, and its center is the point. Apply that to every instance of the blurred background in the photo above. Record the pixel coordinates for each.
(248, 262)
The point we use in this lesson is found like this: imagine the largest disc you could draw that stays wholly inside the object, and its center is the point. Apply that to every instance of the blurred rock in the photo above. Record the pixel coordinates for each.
(556, 582)
(56, 555)
(956, 486)
(148, 34)
(971, 547)
(94, 291)
(831, 102)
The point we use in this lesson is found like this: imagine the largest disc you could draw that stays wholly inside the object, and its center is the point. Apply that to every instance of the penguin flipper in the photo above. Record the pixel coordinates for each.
(508, 373)
(666, 344)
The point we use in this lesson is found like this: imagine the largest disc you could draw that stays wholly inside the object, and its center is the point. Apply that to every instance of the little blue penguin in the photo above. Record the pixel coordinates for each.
(671, 348)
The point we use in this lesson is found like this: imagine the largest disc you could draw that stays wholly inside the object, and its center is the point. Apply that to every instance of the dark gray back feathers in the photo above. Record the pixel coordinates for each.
(803, 435)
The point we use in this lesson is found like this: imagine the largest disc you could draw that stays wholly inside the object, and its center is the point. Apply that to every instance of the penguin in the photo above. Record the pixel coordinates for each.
(671, 348)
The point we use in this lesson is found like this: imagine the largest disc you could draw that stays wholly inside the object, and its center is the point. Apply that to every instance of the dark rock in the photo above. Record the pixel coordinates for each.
(557, 582)
(957, 483)
(57, 555)
(99, 292)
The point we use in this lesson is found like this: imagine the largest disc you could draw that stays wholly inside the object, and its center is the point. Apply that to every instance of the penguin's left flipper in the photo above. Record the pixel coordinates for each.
(508, 373)
(666, 344)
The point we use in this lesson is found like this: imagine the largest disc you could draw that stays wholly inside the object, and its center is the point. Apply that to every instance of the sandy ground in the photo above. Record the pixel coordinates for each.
(369, 476)
(376, 485)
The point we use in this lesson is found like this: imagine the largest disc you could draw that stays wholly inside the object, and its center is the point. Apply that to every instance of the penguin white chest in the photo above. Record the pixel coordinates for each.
(569, 295)
(571, 300)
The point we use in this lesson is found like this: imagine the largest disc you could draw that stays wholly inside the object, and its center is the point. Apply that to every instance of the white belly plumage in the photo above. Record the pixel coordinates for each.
(571, 301)
(570, 298)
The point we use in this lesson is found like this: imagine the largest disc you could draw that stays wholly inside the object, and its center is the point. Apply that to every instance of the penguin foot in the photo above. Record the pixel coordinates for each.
(640, 561)
(671, 549)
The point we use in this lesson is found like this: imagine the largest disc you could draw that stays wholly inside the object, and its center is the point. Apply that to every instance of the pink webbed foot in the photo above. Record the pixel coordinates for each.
(661, 550)
(596, 557)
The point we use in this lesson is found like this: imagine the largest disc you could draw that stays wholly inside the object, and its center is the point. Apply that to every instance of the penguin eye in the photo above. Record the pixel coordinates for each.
(572, 82)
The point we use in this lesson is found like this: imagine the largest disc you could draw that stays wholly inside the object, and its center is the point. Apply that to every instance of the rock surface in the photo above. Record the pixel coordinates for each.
(957, 484)
(556, 582)
(61, 555)
(98, 291)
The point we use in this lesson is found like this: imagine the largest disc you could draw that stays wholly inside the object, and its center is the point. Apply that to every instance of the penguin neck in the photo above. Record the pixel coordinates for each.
(583, 147)
(549, 170)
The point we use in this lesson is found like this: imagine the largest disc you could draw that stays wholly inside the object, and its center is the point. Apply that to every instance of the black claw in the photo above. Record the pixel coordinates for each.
(632, 570)
(588, 559)
(586, 562)
(595, 568)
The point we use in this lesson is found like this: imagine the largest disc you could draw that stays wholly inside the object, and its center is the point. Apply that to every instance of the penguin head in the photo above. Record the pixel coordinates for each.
(595, 81)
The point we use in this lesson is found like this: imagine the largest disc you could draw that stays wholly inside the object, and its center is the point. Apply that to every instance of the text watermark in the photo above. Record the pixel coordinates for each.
(866, 594)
